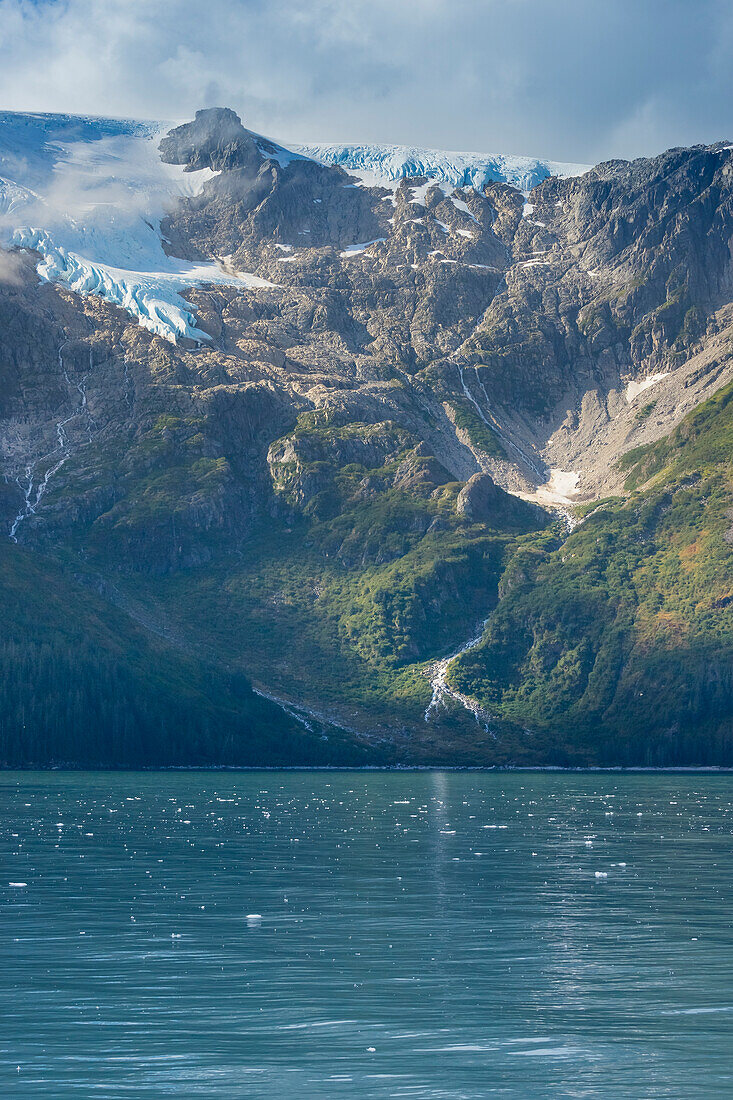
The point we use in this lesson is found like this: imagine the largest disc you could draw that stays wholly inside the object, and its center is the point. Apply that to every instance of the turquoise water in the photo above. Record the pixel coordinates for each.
(312, 934)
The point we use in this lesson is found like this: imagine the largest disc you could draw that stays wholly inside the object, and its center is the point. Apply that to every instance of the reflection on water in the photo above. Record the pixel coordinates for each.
(327, 934)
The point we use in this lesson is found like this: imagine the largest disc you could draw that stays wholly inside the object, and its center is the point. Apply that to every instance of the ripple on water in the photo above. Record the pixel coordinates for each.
(370, 934)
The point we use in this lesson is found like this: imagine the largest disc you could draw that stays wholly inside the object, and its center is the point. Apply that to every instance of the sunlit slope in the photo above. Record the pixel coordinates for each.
(617, 646)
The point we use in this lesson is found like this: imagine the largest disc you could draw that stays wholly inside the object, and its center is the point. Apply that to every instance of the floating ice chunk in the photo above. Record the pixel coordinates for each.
(601, 874)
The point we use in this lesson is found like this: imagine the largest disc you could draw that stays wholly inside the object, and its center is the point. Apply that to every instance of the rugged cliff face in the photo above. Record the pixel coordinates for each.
(374, 433)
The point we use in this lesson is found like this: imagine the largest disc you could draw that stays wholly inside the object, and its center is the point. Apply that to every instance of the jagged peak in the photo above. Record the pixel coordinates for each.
(216, 139)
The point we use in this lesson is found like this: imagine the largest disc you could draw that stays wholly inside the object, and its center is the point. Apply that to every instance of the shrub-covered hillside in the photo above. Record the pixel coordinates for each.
(617, 646)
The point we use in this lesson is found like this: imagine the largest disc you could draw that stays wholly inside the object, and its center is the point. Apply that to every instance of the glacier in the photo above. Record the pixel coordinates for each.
(378, 163)
(89, 194)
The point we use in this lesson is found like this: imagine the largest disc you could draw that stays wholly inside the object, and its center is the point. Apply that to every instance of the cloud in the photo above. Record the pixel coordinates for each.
(11, 268)
(569, 79)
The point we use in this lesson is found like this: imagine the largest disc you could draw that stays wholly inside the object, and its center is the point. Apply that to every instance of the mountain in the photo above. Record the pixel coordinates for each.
(89, 194)
(314, 421)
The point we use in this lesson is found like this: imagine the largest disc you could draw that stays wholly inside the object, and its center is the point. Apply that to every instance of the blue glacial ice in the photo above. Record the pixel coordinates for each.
(88, 196)
(383, 163)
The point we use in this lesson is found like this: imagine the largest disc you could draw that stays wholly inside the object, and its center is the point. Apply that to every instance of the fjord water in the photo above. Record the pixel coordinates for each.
(382, 934)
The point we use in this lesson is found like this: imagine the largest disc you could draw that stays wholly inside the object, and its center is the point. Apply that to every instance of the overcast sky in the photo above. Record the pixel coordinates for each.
(581, 80)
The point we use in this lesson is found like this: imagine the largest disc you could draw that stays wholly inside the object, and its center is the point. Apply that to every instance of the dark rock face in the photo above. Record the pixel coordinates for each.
(420, 472)
(611, 274)
(385, 308)
(389, 308)
(244, 211)
(215, 139)
(481, 500)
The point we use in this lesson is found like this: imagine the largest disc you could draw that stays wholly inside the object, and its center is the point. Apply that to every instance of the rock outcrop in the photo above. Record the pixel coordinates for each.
(215, 139)
(479, 499)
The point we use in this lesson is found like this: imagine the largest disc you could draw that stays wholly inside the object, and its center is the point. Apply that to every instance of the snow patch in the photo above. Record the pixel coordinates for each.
(461, 205)
(357, 249)
(419, 192)
(633, 389)
(373, 179)
(557, 494)
(562, 486)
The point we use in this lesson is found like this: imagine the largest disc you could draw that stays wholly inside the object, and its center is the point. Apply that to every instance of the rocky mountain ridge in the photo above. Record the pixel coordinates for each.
(325, 478)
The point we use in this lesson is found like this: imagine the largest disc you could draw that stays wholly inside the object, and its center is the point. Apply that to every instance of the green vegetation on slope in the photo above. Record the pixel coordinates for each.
(81, 683)
(617, 646)
(612, 646)
(358, 571)
(342, 597)
(467, 419)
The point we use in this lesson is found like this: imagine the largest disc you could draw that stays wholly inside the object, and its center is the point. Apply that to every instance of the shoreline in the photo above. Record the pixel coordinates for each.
(702, 769)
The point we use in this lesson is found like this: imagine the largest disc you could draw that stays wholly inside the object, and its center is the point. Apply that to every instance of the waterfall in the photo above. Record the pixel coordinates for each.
(57, 457)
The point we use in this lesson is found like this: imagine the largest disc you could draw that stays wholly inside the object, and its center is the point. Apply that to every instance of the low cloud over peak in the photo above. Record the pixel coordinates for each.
(559, 78)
